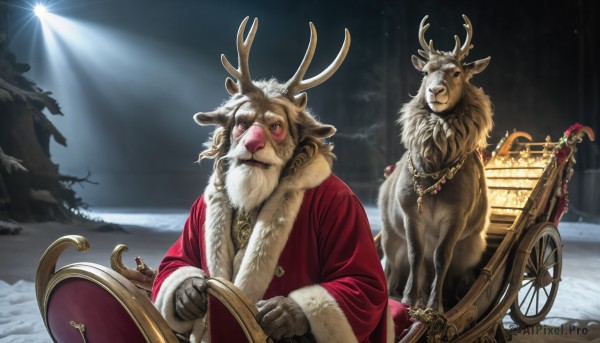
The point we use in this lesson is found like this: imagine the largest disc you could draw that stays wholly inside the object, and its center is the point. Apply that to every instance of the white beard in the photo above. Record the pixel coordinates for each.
(247, 186)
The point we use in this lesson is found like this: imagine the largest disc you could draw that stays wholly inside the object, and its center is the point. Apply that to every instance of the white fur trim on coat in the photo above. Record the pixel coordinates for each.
(271, 231)
(165, 298)
(327, 320)
(219, 247)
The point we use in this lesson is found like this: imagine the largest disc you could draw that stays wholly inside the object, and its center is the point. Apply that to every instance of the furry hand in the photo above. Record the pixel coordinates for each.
(281, 317)
(191, 298)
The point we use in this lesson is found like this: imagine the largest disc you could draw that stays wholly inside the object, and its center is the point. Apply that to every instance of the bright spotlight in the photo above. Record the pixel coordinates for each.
(40, 10)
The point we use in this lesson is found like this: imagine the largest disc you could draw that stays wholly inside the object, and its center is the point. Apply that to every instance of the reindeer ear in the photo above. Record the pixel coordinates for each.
(324, 130)
(418, 63)
(312, 127)
(231, 86)
(301, 100)
(211, 118)
(477, 66)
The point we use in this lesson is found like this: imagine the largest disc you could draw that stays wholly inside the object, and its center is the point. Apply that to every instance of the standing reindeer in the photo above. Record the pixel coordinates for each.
(435, 201)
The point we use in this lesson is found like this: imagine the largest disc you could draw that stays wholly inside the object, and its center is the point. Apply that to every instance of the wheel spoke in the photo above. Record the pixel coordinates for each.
(537, 300)
(527, 283)
(546, 244)
(545, 291)
(551, 254)
(543, 246)
(526, 294)
(536, 259)
(539, 249)
(530, 302)
(530, 263)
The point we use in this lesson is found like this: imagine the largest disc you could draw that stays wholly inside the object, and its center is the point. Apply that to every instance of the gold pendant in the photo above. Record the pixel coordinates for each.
(242, 230)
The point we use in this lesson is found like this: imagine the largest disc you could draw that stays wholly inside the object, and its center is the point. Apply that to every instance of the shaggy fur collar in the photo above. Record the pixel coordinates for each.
(258, 260)
(438, 140)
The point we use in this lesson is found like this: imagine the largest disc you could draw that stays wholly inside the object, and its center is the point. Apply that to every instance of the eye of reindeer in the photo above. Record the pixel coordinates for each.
(243, 125)
(456, 74)
(276, 128)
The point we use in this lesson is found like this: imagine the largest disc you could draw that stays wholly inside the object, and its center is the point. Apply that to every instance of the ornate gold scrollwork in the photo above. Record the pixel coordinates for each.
(436, 323)
(142, 276)
(81, 328)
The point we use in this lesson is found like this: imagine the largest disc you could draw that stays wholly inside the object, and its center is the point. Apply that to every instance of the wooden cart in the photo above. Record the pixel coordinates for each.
(520, 271)
(527, 184)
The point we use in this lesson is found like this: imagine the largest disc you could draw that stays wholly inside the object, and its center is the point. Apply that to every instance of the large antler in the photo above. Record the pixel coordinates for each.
(463, 51)
(428, 49)
(296, 84)
(242, 73)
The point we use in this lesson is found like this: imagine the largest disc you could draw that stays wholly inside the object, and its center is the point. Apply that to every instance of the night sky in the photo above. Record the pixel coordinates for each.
(129, 75)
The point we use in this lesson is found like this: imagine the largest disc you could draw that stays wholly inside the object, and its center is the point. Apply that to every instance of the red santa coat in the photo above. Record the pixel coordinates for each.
(311, 242)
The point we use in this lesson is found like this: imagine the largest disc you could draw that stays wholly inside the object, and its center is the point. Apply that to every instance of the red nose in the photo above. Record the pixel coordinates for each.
(255, 139)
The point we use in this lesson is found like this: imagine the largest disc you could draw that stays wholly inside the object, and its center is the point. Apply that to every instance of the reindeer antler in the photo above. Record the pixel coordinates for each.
(296, 84)
(242, 73)
(428, 49)
(460, 52)
(463, 51)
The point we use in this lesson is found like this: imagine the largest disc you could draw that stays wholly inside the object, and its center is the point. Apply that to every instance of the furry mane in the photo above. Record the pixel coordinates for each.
(441, 139)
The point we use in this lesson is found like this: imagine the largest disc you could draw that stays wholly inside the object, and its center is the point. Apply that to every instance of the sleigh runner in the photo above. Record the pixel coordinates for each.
(520, 270)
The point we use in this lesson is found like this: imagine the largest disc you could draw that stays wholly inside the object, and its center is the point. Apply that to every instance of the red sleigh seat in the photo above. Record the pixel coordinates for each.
(85, 302)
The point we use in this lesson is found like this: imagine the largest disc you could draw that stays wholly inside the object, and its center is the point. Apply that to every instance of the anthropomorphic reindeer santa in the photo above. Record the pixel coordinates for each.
(276, 222)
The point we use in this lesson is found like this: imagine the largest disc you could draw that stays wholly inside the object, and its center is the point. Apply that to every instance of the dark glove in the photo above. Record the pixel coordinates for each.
(190, 299)
(281, 317)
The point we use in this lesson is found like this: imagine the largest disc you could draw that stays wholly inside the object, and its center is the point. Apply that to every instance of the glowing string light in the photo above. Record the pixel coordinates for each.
(511, 180)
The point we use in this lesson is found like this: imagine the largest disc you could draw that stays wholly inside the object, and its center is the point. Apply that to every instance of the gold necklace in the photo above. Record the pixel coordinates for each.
(437, 186)
(242, 228)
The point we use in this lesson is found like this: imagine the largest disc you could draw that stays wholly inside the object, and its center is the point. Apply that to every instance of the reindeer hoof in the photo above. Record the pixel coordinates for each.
(412, 301)
(436, 306)
(420, 304)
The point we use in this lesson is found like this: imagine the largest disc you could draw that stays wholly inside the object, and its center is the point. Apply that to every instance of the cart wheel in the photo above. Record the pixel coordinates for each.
(539, 282)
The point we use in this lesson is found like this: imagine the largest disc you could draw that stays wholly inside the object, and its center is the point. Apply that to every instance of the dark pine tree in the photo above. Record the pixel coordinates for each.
(31, 186)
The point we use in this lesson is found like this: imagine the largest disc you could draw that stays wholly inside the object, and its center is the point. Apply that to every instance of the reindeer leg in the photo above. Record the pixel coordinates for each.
(442, 257)
(393, 242)
(461, 273)
(415, 235)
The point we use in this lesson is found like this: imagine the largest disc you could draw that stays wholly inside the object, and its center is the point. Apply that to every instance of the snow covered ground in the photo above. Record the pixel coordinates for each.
(575, 316)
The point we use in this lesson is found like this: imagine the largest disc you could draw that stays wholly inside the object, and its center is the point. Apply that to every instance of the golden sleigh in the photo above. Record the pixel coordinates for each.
(521, 268)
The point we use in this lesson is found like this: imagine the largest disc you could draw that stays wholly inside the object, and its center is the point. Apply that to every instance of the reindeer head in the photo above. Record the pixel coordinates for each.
(445, 73)
(264, 127)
